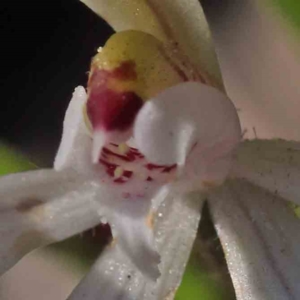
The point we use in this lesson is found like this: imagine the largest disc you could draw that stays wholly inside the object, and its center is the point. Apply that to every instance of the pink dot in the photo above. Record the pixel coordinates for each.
(126, 195)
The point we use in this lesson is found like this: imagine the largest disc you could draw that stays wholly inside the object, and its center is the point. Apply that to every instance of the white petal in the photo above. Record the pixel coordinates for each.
(176, 227)
(40, 207)
(189, 116)
(161, 19)
(135, 237)
(271, 164)
(127, 207)
(260, 66)
(99, 141)
(260, 237)
(75, 147)
(114, 277)
(39, 184)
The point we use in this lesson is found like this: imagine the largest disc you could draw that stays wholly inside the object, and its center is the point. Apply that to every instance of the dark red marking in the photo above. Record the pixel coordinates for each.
(131, 156)
(168, 169)
(110, 168)
(165, 169)
(134, 150)
(127, 174)
(120, 180)
(153, 166)
(107, 164)
(126, 71)
(123, 157)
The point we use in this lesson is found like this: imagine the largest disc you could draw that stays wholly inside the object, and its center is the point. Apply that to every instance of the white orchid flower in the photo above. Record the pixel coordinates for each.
(149, 142)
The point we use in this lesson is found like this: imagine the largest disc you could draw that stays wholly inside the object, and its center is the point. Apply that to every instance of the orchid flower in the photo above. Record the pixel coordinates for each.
(153, 138)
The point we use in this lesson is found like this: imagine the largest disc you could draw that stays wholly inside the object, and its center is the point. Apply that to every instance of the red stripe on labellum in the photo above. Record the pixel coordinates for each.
(123, 157)
(127, 174)
(164, 169)
(131, 156)
(153, 166)
(120, 180)
(154, 170)
(168, 169)
(107, 164)
(110, 168)
(135, 153)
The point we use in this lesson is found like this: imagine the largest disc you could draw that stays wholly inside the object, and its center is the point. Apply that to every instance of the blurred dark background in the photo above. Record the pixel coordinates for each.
(46, 47)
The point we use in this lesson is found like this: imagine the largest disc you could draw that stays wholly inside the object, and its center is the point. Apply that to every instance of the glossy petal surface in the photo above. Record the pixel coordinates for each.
(125, 206)
(114, 277)
(74, 149)
(41, 207)
(271, 164)
(192, 125)
(260, 237)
